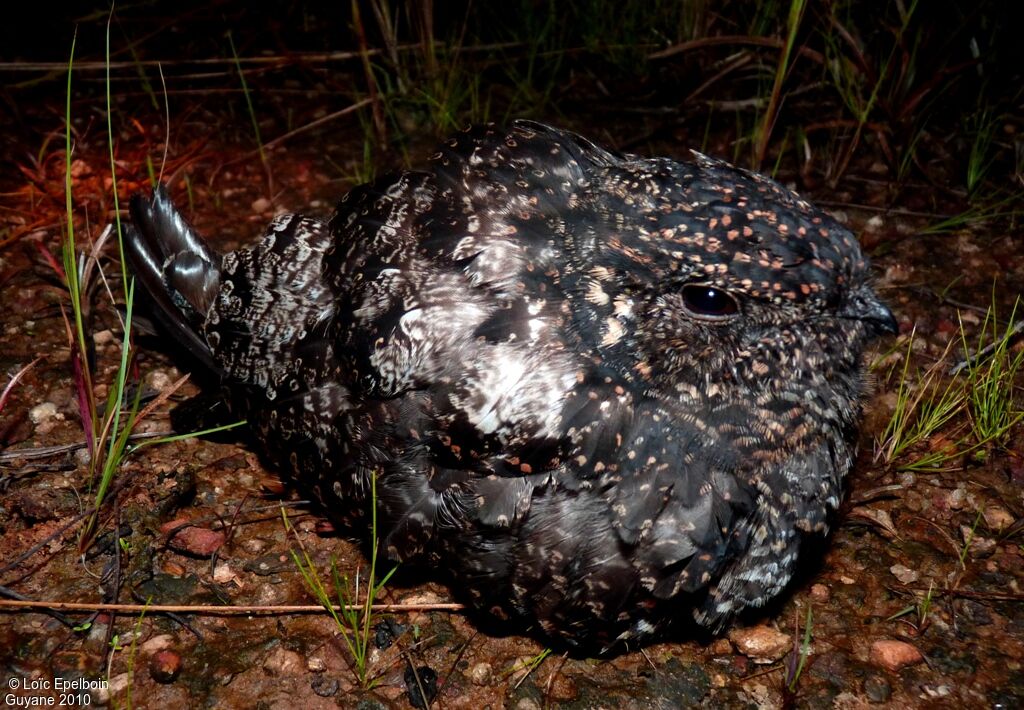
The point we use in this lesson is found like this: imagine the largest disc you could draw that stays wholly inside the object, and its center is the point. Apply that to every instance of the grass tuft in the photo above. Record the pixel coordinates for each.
(798, 659)
(921, 412)
(920, 609)
(981, 126)
(528, 666)
(353, 619)
(990, 380)
(107, 434)
(929, 417)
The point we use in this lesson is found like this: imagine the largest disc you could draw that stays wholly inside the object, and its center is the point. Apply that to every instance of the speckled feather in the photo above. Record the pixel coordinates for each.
(503, 341)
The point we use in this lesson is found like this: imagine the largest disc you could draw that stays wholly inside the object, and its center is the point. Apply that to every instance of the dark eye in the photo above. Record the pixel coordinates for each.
(709, 302)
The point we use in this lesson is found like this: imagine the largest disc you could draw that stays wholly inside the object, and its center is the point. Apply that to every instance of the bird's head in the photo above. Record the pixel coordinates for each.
(701, 274)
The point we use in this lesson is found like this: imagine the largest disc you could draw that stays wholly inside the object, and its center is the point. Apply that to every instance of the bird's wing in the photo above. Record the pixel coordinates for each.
(673, 492)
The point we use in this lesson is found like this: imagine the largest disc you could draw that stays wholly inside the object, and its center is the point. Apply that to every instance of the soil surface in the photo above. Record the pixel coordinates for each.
(914, 601)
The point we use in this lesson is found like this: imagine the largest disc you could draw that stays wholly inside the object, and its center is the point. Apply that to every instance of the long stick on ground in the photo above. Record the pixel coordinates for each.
(214, 610)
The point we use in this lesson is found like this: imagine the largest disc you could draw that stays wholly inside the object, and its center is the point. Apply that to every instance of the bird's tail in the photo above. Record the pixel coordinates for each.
(176, 266)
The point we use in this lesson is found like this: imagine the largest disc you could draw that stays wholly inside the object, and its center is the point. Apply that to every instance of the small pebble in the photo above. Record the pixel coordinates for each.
(126, 639)
(820, 593)
(103, 337)
(201, 542)
(721, 647)
(173, 568)
(223, 574)
(420, 686)
(325, 687)
(270, 591)
(117, 685)
(970, 317)
(268, 564)
(157, 643)
(385, 633)
(418, 617)
(527, 704)
(894, 655)
(874, 224)
(480, 673)
(165, 666)
(315, 664)
(101, 696)
(282, 662)
(261, 204)
(897, 273)
(877, 689)
(254, 546)
(956, 499)
(997, 517)
(979, 546)
(762, 644)
(159, 380)
(42, 412)
(904, 574)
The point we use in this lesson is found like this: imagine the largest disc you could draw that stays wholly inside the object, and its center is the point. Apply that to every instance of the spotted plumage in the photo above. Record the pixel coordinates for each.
(603, 393)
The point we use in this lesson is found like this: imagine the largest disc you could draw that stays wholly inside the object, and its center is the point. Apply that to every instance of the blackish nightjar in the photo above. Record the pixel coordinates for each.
(604, 393)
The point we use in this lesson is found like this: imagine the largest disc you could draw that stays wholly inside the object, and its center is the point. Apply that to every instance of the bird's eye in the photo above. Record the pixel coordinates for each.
(709, 302)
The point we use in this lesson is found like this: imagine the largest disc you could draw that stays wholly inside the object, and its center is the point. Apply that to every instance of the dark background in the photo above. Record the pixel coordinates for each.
(914, 87)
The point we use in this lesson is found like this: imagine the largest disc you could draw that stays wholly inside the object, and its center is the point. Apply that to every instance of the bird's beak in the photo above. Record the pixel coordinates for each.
(864, 305)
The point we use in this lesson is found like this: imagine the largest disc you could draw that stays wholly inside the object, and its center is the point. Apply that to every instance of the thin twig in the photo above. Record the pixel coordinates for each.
(43, 452)
(14, 380)
(419, 681)
(643, 652)
(313, 124)
(455, 664)
(296, 58)
(284, 60)
(4, 591)
(964, 593)
(874, 494)
(962, 305)
(880, 208)
(214, 610)
(217, 518)
(770, 42)
(162, 397)
(977, 357)
(551, 679)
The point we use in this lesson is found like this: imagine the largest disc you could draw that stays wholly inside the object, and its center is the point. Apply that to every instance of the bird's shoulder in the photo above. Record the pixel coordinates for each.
(458, 266)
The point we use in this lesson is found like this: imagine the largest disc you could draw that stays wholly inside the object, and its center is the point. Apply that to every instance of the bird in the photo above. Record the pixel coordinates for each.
(606, 397)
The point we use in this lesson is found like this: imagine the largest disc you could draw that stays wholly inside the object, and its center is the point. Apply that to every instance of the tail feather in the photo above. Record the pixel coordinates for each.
(176, 266)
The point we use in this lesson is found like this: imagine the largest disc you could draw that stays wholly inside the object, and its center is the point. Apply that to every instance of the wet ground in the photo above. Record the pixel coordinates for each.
(915, 601)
